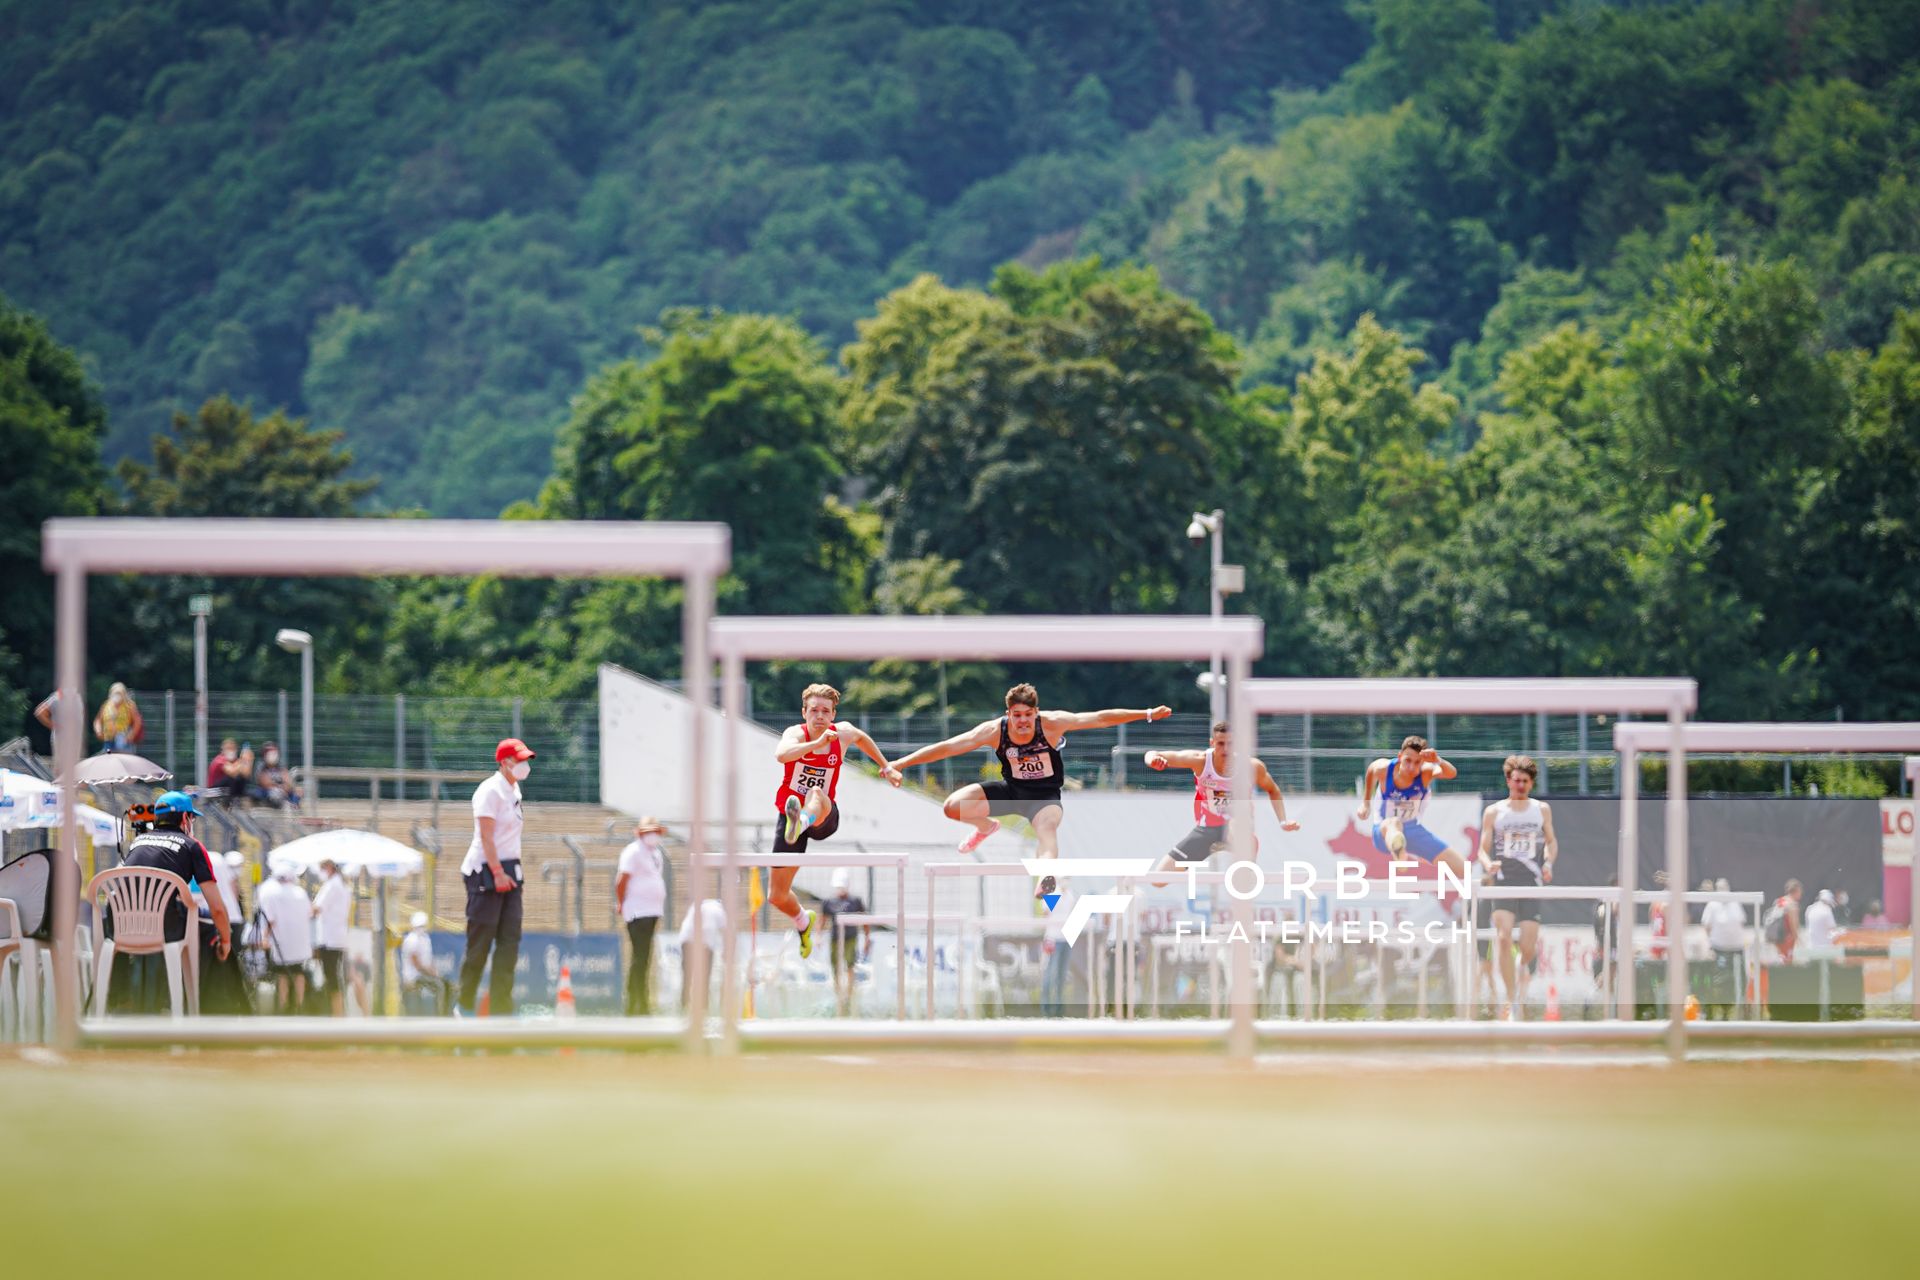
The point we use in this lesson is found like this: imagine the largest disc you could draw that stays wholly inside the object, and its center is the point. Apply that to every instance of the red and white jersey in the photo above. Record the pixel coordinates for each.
(1212, 794)
(809, 773)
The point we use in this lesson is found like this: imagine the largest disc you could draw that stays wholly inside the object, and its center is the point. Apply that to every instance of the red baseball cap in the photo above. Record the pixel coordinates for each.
(511, 749)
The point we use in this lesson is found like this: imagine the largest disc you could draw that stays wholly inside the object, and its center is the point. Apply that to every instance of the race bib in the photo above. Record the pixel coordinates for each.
(809, 777)
(1034, 767)
(1403, 808)
(1521, 844)
(1218, 802)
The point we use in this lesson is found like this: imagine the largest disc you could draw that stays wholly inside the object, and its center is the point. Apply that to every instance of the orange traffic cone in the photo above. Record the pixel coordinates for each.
(1553, 1003)
(485, 1006)
(563, 998)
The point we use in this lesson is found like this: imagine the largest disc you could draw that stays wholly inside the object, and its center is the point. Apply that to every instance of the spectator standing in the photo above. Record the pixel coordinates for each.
(288, 914)
(1876, 917)
(494, 881)
(1726, 927)
(1821, 926)
(1056, 960)
(44, 713)
(712, 915)
(640, 886)
(1783, 921)
(845, 945)
(271, 781)
(420, 987)
(330, 910)
(118, 724)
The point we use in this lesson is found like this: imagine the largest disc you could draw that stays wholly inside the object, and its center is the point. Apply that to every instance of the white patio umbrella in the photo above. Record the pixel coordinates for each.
(353, 850)
(27, 801)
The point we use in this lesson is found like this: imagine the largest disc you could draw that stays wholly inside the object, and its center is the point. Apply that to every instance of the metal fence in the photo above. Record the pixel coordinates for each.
(1306, 753)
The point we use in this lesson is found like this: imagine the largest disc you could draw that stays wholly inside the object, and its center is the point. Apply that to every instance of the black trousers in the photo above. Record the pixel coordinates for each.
(493, 924)
(640, 972)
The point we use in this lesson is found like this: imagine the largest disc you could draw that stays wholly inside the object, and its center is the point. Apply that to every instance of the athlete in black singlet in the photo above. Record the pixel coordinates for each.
(1026, 741)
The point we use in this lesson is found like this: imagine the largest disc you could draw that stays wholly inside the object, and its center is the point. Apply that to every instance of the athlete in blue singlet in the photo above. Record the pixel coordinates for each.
(1406, 782)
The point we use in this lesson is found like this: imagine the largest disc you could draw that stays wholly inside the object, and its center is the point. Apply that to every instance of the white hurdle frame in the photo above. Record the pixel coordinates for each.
(1673, 698)
(73, 549)
(736, 862)
(1039, 638)
(1736, 736)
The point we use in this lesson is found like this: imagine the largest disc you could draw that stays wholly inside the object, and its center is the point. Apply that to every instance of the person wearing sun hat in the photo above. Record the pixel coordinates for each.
(494, 882)
(640, 887)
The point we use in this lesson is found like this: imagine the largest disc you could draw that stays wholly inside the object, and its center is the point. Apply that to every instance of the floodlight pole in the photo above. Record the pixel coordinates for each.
(200, 607)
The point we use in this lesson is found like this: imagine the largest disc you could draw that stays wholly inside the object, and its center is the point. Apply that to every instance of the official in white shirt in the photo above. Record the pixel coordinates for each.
(421, 989)
(1821, 926)
(640, 886)
(494, 881)
(288, 914)
(330, 909)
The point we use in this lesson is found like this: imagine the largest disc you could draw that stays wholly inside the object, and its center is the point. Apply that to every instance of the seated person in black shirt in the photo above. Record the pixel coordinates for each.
(170, 846)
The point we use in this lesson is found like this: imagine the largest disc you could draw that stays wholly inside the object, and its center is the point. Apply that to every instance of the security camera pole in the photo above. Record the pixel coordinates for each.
(301, 642)
(1224, 580)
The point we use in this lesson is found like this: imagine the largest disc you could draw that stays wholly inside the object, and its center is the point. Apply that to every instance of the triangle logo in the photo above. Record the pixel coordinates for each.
(1052, 900)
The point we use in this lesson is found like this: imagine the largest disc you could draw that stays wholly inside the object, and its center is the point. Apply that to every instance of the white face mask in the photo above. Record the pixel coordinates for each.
(519, 771)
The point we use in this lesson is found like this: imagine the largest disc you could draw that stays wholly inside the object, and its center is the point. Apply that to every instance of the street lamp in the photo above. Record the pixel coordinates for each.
(301, 642)
(200, 608)
(1223, 581)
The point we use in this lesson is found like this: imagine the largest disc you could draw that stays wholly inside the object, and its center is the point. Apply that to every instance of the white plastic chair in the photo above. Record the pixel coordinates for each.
(19, 1006)
(139, 898)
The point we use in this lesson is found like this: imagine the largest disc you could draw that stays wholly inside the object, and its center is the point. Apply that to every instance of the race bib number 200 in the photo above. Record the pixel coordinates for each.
(1038, 765)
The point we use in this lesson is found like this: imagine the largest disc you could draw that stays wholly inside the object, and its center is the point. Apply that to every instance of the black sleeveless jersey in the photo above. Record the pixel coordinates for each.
(1032, 765)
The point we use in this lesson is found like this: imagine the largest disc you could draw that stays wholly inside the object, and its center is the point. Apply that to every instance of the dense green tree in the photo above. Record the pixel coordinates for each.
(226, 461)
(51, 422)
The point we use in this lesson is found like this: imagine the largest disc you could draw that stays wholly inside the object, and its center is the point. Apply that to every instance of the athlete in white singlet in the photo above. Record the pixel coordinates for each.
(1212, 793)
(1517, 847)
(812, 755)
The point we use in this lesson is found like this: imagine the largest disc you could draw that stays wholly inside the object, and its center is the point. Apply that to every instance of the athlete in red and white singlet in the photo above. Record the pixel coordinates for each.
(1212, 796)
(812, 753)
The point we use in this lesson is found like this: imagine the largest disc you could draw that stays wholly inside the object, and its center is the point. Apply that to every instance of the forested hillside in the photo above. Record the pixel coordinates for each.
(1516, 338)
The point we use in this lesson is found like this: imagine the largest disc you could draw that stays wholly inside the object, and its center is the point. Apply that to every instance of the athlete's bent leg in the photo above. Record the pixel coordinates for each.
(970, 805)
(1529, 951)
(1503, 947)
(1046, 831)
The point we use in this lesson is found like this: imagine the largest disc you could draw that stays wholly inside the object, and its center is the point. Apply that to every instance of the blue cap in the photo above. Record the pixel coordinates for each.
(171, 802)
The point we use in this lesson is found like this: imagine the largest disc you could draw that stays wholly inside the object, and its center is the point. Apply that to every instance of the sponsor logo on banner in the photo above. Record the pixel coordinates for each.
(1896, 832)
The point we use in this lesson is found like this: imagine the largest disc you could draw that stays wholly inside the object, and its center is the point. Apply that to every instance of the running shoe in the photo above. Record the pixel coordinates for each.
(978, 838)
(806, 937)
(793, 818)
(1046, 887)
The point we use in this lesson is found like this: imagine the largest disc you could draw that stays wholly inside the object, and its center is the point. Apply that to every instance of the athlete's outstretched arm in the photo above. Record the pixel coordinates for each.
(1175, 760)
(850, 732)
(1486, 837)
(1263, 779)
(1553, 843)
(1069, 721)
(1374, 770)
(958, 745)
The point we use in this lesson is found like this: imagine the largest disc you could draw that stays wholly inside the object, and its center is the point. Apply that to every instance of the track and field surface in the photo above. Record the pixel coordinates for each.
(543, 1164)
